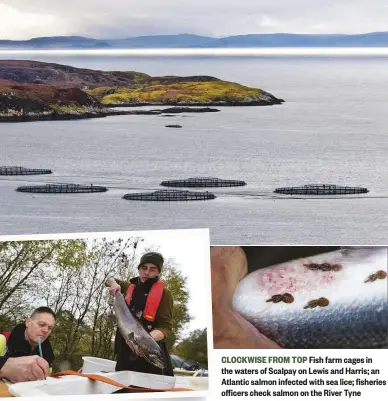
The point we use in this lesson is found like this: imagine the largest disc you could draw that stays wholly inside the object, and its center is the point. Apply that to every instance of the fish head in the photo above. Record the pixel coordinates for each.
(149, 350)
(156, 359)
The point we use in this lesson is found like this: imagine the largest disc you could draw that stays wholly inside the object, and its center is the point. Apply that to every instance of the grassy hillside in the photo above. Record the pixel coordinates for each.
(183, 92)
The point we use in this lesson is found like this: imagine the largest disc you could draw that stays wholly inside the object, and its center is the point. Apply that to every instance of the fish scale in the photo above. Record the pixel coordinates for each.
(352, 314)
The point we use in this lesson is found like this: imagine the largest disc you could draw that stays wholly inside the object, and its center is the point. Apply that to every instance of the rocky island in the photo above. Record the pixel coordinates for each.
(32, 90)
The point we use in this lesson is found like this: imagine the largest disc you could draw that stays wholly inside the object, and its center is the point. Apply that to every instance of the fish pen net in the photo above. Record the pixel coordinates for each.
(170, 195)
(62, 189)
(201, 182)
(15, 170)
(323, 189)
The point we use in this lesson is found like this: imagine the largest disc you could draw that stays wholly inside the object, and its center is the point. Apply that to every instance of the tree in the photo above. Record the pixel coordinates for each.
(194, 347)
(24, 266)
(177, 285)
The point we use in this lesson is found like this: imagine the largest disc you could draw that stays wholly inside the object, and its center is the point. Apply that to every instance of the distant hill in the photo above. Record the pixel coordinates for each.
(55, 42)
(163, 41)
(377, 39)
(374, 39)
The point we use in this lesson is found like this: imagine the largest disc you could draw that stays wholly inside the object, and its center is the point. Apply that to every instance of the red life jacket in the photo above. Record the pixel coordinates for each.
(153, 299)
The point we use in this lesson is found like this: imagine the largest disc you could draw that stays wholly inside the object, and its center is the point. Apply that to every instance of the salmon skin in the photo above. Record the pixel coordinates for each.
(135, 334)
(330, 300)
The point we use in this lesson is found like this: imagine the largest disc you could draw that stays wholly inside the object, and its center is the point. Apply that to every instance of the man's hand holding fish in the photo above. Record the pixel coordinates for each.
(230, 329)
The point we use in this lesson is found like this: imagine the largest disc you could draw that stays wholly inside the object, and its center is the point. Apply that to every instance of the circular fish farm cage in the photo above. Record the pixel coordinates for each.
(170, 195)
(324, 189)
(62, 189)
(203, 182)
(15, 170)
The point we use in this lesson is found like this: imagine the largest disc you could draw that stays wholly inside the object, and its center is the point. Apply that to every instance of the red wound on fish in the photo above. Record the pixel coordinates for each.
(325, 267)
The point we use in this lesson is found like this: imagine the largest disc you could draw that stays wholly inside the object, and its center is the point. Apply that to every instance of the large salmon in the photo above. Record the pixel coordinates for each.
(135, 334)
(331, 300)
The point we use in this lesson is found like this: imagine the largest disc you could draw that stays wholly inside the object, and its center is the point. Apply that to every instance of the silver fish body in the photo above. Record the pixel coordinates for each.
(331, 300)
(135, 334)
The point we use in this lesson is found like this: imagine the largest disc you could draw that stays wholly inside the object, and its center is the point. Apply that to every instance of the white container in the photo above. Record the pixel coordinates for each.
(94, 365)
(198, 383)
(82, 386)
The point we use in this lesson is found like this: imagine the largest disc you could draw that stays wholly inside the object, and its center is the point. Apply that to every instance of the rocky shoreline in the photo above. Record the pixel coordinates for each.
(53, 116)
(97, 113)
(101, 112)
(205, 104)
(36, 91)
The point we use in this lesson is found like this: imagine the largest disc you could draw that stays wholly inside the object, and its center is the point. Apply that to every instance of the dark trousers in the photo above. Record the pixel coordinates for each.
(128, 360)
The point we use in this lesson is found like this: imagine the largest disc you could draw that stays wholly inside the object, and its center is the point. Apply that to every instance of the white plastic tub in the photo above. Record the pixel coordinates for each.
(74, 385)
(198, 383)
(94, 365)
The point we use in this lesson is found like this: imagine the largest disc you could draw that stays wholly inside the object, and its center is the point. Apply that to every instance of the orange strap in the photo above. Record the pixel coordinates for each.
(128, 294)
(153, 299)
(106, 380)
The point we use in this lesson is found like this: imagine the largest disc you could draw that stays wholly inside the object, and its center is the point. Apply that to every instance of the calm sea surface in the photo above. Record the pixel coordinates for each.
(332, 129)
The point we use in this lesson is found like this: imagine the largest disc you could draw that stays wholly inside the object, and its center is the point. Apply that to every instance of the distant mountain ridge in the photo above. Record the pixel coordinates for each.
(373, 39)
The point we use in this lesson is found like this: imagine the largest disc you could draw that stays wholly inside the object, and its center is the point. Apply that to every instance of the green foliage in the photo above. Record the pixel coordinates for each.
(176, 283)
(6, 323)
(22, 265)
(194, 347)
(67, 109)
(194, 92)
(102, 91)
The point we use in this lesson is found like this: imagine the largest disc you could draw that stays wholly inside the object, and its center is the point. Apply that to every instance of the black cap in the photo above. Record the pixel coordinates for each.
(154, 258)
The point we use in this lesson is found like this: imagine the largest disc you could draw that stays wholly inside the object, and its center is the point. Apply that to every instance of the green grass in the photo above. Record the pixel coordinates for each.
(196, 92)
(67, 109)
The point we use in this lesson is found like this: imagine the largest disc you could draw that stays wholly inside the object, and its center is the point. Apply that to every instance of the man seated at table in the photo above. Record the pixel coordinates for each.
(22, 360)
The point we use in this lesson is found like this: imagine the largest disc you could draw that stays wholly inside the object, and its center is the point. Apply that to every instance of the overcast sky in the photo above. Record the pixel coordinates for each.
(24, 19)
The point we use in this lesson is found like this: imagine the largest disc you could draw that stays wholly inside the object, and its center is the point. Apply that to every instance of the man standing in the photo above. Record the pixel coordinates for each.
(23, 344)
(148, 300)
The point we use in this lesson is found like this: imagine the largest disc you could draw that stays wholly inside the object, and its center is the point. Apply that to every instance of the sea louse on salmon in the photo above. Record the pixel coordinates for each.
(381, 275)
(326, 267)
(323, 302)
(332, 306)
(286, 298)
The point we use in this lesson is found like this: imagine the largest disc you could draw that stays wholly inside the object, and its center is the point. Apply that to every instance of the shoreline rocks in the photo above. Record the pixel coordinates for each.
(33, 91)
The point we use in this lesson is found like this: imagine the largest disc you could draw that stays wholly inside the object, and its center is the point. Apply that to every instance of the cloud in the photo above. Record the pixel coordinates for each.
(122, 18)
(17, 24)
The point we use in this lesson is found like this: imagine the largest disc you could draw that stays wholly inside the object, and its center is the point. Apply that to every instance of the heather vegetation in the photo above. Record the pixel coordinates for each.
(182, 92)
